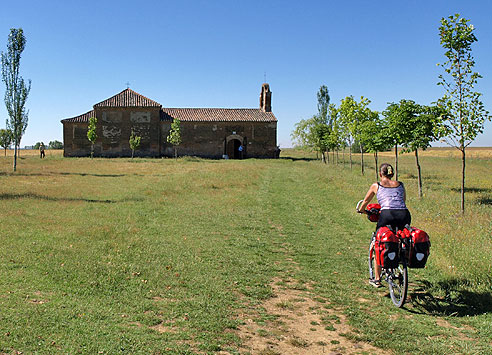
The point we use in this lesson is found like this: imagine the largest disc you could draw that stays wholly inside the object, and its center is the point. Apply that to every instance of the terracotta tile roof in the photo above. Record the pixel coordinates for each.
(84, 118)
(217, 115)
(128, 98)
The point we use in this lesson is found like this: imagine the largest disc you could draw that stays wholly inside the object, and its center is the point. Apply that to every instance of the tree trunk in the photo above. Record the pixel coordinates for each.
(92, 150)
(334, 157)
(350, 154)
(361, 158)
(343, 156)
(175, 153)
(419, 175)
(15, 157)
(5, 151)
(462, 179)
(396, 161)
(323, 158)
(376, 161)
(133, 151)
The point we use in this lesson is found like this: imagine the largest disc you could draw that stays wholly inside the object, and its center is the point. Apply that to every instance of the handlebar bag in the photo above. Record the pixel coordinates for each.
(419, 248)
(373, 210)
(386, 248)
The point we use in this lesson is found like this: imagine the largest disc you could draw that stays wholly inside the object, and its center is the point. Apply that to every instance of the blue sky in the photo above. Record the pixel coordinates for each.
(215, 54)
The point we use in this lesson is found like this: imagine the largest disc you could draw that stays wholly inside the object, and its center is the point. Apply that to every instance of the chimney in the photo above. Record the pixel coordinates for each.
(266, 98)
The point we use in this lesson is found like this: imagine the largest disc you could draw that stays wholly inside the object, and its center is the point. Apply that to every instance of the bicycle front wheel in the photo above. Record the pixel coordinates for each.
(398, 285)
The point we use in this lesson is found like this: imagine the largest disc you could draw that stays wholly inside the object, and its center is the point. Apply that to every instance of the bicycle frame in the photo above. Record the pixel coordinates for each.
(397, 278)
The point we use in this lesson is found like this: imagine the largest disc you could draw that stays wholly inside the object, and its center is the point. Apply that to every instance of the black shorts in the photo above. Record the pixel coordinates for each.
(394, 218)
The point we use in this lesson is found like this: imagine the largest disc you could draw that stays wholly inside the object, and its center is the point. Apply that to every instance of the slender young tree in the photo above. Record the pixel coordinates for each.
(334, 137)
(134, 142)
(174, 136)
(397, 116)
(323, 121)
(465, 112)
(17, 89)
(421, 127)
(373, 134)
(312, 133)
(91, 133)
(353, 114)
(5, 139)
(346, 120)
(323, 103)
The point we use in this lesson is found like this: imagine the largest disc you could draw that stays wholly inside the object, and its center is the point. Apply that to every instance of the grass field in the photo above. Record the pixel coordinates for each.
(167, 256)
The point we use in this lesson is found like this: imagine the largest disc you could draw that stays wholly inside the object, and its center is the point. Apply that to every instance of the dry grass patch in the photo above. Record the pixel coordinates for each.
(305, 328)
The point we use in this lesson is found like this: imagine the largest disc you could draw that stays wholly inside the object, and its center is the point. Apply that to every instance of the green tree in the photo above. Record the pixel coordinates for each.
(397, 115)
(134, 142)
(334, 137)
(91, 133)
(312, 133)
(373, 134)
(55, 145)
(5, 139)
(421, 130)
(465, 112)
(352, 115)
(323, 102)
(302, 134)
(37, 145)
(17, 89)
(174, 136)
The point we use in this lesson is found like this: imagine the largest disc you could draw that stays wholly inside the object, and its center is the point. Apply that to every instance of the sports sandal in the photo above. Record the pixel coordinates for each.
(375, 283)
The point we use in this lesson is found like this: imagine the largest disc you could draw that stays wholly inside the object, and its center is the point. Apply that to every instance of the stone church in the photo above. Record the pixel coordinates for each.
(205, 132)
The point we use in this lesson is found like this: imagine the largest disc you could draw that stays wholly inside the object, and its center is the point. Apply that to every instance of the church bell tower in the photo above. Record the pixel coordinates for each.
(266, 98)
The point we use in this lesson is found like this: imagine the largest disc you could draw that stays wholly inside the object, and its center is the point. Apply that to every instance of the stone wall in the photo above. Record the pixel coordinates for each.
(75, 142)
(210, 139)
(113, 129)
(202, 139)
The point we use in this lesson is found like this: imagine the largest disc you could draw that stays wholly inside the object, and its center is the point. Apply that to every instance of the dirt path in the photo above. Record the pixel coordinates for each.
(295, 321)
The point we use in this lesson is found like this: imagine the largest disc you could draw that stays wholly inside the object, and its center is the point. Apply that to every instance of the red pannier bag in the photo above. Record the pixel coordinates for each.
(386, 248)
(419, 248)
(373, 210)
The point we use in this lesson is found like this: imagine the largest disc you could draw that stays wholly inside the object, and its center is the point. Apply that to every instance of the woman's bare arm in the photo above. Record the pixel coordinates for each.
(369, 195)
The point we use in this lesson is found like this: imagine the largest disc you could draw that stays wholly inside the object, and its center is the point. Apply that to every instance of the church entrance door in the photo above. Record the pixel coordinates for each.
(233, 149)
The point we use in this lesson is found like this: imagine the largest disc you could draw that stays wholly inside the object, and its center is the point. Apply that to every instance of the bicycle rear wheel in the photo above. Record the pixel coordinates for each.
(398, 285)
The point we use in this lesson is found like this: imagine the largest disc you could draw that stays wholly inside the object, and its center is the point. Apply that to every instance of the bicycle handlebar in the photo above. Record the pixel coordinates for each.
(358, 205)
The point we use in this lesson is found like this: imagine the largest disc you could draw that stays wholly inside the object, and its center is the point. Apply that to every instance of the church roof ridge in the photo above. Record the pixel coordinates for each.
(128, 98)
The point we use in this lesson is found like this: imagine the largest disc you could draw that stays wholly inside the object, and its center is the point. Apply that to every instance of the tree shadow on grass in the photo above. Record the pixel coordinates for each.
(457, 301)
(96, 175)
(484, 201)
(7, 196)
(53, 173)
(473, 189)
(298, 159)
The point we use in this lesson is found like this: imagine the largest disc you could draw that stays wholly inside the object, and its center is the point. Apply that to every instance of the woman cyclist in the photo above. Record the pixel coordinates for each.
(391, 196)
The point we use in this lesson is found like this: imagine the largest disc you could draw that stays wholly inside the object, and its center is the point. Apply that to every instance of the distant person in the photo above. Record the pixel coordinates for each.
(41, 151)
(277, 152)
(241, 150)
(391, 196)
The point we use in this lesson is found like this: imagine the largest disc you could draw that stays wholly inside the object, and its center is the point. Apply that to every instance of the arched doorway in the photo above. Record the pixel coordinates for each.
(232, 149)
